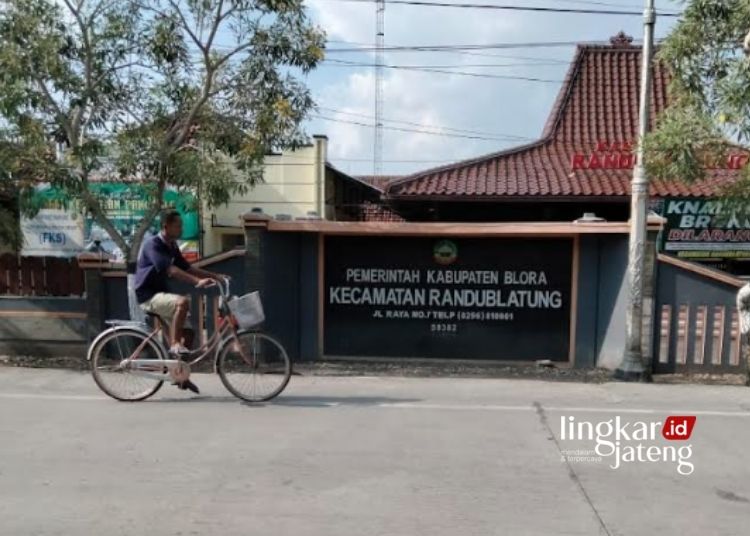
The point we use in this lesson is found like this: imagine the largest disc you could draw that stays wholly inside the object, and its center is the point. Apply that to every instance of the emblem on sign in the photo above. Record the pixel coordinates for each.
(445, 252)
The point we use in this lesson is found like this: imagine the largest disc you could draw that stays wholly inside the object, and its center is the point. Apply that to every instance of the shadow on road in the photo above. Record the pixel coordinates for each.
(294, 401)
(330, 401)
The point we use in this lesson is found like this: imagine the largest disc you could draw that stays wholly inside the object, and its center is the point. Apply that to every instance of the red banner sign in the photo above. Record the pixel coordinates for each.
(606, 155)
(619, 155)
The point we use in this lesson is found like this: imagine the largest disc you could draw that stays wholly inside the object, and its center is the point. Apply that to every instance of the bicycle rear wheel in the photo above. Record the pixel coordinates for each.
(255, 368)
(116, 380)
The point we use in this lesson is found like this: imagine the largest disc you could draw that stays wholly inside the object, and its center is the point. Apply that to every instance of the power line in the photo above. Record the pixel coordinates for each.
(596, 3)
(410, 130)
(458, 73)
(463, 49)
(502, 7)
(480, 135)
(344, 63)
(451, 48)
(505, 56)
(436, 127)
(585, 2)
(462, 53)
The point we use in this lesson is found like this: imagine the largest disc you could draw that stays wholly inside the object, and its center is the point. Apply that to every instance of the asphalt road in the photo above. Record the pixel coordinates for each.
(366, 456)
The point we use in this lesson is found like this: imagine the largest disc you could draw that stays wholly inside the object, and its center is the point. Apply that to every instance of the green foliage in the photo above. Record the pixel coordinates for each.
(685, 143)
(709, 114)
(10, 233)
(186, 93)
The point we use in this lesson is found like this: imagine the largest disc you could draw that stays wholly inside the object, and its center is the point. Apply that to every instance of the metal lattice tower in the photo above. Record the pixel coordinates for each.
(377, 153)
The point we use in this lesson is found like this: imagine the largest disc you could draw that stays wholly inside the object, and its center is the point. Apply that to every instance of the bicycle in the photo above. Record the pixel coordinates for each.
(131, 363)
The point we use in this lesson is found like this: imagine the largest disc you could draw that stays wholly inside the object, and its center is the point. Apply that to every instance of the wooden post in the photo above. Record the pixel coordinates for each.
(94, 302)
(92, 266)
(256, 225)
(649, 295)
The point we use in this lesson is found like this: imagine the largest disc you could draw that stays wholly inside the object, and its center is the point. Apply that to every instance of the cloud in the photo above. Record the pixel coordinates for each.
(354, 22)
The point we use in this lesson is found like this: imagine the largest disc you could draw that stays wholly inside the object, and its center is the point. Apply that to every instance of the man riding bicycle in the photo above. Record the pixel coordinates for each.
(159, 260)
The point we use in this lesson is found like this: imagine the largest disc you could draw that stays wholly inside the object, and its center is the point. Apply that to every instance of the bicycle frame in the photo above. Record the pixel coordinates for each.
(150, 367)
(154, 368)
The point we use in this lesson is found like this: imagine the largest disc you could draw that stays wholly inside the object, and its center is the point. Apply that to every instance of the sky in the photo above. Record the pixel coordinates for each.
(475, 115)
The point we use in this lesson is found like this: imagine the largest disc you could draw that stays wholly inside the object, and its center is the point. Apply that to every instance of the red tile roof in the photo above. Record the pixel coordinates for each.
(379, 182)
(598, 101)
(370, 211)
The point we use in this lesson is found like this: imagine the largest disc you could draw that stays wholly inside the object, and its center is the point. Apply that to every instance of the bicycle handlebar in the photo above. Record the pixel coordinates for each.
(224, 286)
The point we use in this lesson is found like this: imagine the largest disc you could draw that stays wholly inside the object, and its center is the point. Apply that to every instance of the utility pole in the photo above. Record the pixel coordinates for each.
(632, 367)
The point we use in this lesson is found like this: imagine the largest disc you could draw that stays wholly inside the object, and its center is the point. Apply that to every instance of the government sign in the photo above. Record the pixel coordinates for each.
(504, 299)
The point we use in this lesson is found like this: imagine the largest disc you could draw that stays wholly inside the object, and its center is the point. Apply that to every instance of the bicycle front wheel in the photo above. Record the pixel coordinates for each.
(110, 370)
(254, 368)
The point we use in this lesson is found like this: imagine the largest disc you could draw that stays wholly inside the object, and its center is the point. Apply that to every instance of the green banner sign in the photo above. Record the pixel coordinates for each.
(126, 205)
(703, 229)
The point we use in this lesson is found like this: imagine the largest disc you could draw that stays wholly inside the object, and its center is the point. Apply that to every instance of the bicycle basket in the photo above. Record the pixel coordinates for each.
(248, 310)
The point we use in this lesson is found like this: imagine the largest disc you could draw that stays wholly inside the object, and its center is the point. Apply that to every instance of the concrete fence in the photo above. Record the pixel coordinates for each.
(501, 292)
(698, 324)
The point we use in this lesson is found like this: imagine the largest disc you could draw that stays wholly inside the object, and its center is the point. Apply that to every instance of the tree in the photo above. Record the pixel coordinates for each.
(709, 111)
(188, 94)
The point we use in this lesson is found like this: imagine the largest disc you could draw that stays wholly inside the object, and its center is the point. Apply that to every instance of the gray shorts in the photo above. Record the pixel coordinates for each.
(164, 304)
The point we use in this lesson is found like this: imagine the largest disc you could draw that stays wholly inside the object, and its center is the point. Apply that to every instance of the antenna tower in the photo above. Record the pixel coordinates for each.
(379, 61)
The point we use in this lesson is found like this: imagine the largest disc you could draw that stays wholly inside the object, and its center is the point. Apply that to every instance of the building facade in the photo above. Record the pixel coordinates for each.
(297, 185)
(293, 186)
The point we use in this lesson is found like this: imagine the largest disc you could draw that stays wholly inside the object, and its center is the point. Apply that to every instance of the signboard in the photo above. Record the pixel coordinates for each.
(52, 233)
(125, 206)
(703, 229)
(605, 155)
(462, 298)
(620, 155)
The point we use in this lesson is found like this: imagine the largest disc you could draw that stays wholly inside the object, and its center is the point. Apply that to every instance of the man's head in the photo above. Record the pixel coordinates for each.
(171, 224)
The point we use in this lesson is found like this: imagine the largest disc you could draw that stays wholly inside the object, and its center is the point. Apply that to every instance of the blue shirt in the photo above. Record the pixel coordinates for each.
(151, 274)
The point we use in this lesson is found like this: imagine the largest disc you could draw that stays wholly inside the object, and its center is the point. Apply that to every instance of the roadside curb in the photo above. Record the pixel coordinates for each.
(405, 368)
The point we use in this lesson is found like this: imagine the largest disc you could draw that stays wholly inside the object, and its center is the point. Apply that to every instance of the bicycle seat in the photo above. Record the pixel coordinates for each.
(114, 323)
(153, 317)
